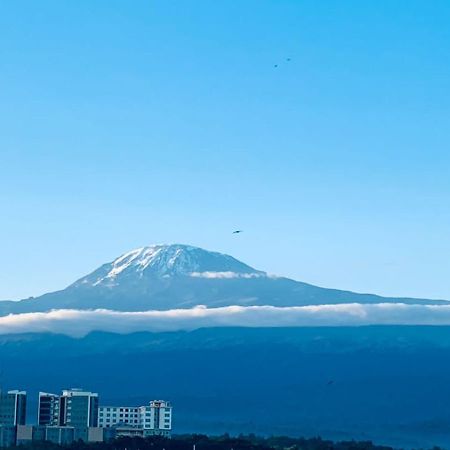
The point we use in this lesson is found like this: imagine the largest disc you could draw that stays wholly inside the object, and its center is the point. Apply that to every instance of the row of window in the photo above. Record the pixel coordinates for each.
(101, 414)
(121, 409)
(114, 419)
(165, 426)
(136, 409)
(120, 415)
(125, 421)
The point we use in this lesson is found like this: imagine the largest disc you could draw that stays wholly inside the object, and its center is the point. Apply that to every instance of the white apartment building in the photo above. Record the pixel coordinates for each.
(109, 416)
(153, 419)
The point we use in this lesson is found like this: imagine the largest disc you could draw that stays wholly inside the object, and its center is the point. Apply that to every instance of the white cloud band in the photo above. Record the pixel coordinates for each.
(79, 323)
(226, 275)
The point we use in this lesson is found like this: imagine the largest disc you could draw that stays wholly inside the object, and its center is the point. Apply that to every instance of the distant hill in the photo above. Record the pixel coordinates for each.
(389, 384)
(165, 277)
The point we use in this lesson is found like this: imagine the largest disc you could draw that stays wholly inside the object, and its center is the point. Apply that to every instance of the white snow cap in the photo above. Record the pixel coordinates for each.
(166, 260)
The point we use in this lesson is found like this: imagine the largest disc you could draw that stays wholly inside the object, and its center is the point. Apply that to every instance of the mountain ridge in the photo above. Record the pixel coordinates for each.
(171, 276)
(389, 383)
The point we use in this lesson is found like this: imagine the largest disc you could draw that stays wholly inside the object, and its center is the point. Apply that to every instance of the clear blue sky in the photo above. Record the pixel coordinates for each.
(126, 123)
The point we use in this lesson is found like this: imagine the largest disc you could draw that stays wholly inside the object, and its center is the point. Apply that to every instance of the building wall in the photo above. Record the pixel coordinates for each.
(59, 435)
(74, 407)
(95, 434)
(13, 405)
(118, 415)
(48, 409)
(77, 411)
(24, 434)
(156, 417)
(7, 435)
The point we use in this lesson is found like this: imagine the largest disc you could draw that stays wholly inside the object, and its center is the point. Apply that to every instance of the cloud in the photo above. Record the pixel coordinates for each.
(80, 322)
(226, 275)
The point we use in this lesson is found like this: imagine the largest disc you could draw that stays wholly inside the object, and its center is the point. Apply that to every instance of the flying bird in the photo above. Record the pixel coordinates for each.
(237, 231)
(275, 65)
(330, 383)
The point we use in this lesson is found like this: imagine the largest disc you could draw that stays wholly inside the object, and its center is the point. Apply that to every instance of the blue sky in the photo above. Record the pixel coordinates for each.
(129, 123)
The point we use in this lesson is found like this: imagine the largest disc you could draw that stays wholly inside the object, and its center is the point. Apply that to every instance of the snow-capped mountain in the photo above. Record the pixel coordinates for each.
(165, 261)
(166, 277)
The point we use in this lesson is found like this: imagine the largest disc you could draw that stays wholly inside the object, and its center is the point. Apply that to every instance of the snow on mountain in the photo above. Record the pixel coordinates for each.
(164, 277)
(164, 261)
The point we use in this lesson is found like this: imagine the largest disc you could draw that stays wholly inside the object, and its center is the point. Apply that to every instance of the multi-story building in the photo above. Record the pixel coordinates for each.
(109, 416)
(80, 408)
(153, 419)
(13, 408)
(75, 415)
(74, 407)
(48, 409)
(156, 418)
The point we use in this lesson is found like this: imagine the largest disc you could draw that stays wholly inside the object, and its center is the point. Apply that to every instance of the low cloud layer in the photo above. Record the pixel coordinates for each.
(78, 323)
(226, 275)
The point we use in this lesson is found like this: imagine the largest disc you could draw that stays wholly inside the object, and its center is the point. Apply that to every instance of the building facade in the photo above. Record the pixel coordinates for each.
(48, 409)
(109, 416)
(154, 418)
(75, 415)
(7, 435)
(73, 408)
(80, 408)
(13, 408)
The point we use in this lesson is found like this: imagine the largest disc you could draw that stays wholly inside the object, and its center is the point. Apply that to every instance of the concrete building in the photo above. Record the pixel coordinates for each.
(7, 435)
(27, 434)
(109, 416)
(48, 409)
(121, 431)
(13, 408)
(153, 419)
(75, 415)
(60, 435)
(73, 408)
(79, 408)
(156, 418)
(24, 434)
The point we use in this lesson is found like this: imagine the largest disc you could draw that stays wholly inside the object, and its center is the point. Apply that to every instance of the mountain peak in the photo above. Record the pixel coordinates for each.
(163, 261)
(164, 277)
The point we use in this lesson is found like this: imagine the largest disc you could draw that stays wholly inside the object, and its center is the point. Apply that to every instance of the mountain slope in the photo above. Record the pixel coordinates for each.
(389, 384)
(179, 276)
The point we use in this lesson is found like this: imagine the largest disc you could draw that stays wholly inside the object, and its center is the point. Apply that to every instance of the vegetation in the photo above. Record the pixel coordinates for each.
(202, 442)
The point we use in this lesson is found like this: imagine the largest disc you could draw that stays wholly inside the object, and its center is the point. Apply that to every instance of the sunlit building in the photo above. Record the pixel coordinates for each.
(153, 419)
